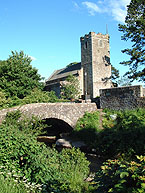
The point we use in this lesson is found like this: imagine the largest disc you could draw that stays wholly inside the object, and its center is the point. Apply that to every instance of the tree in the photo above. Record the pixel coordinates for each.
(18, 77)
(39, 96)
(124, 81)
(115, 76)
(70, 88)
(134, 29)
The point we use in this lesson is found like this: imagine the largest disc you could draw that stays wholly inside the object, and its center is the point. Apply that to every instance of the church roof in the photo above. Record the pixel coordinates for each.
(65, 72)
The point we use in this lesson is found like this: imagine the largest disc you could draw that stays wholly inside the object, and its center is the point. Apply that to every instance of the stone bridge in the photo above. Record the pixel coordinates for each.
(67, 112)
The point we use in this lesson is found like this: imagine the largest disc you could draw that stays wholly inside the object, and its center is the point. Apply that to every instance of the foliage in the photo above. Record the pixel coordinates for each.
(115, 75)
(87, 127)
(71, 64)
(39, 96)
(71, 88)
(7, 102)
(122, 176)
(70, 172)
(32, 125)
(124, 81)
(124, 135)
(35, 96)
(20, 152)
(134, 30)
(117, 80)
(8, 185)
(108, 122)
(4, 102)
(18, 77)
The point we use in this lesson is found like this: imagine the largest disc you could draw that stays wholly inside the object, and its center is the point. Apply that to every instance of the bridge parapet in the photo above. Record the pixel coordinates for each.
(68, 112)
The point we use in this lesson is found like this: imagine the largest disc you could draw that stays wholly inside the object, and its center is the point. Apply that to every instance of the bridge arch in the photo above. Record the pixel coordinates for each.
(58, 116)
(55, 127)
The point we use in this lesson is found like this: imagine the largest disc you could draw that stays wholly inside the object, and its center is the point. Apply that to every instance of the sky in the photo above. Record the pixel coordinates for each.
(49, 31)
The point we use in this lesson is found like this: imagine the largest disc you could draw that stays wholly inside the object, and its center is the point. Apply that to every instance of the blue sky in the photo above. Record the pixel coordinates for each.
(49, 30)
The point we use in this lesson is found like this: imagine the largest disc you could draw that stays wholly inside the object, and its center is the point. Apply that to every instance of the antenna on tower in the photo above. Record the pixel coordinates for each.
(106, 29)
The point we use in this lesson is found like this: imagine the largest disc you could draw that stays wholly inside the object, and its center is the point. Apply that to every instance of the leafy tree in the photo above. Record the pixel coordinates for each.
(115, 75)
(18, 77)
(134, 30)
(70, 88)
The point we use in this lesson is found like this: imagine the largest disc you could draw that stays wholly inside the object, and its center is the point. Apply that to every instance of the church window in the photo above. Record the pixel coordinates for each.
(86, 45)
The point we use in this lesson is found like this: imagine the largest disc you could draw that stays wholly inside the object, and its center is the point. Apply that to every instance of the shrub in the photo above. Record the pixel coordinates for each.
(8, 185)
(121, 176)
(87, 127)
(20, 152)
(12, 181)
(4, 102)
(71, 169)
(123, 135)
(35, 96)
(38, 96)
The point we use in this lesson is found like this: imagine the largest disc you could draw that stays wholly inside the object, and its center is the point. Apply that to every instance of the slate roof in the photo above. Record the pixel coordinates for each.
(64, 72)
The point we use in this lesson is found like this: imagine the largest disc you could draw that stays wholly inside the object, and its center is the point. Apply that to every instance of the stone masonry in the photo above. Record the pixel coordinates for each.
(68, 112)
(94, 71)
(121, 98)
(95, 61)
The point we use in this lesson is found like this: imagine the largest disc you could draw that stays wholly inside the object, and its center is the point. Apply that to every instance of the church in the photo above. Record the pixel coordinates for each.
(94, 70)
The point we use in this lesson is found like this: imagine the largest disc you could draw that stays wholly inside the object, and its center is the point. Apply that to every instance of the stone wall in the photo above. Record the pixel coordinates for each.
(120, 98)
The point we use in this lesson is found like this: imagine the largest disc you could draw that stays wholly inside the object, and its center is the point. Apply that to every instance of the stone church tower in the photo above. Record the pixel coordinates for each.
(95, 62)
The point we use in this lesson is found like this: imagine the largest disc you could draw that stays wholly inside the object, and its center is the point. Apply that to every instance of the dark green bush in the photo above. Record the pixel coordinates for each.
(123, 135)
(121, 176)
(87, 128)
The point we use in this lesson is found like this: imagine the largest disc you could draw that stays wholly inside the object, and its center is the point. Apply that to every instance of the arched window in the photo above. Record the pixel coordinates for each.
(86, 45)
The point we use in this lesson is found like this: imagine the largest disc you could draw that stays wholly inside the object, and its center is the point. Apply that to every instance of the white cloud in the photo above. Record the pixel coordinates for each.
(32, 58)
(119, 9)
(92, 7)
(116, 8)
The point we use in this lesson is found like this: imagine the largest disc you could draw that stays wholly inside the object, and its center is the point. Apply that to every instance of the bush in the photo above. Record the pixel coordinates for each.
(38, 96)
(121, 176)
(4, 102)
(8, 185)
(87, 127)
(20, 152)
(124, 135)
(35, 96)
(71, 169)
